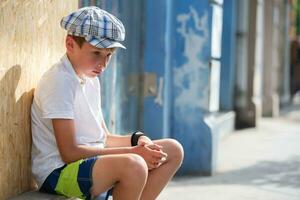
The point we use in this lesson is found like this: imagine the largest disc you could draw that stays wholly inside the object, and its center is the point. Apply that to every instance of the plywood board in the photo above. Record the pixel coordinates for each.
(31, 40)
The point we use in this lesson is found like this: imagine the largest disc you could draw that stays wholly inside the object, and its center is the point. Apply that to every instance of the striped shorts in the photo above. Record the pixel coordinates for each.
(73, 180)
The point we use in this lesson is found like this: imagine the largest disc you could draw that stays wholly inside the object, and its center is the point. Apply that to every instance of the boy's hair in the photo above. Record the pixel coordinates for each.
(81, 40)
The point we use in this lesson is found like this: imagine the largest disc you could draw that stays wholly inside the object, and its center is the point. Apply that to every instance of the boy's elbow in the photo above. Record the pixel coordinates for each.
(66, 159)
(67, 156)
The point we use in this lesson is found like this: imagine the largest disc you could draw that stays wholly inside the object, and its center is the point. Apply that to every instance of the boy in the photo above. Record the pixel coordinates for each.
(73, 153)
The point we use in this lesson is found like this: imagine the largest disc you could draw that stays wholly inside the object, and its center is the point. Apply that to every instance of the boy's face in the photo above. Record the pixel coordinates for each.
(87, 59)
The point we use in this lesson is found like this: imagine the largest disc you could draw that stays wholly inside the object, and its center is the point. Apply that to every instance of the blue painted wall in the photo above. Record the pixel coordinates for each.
(179, 51)
(191, 54)
(175, 44)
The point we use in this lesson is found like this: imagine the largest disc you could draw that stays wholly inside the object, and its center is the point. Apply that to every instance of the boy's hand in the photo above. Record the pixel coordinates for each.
(144, 139)
(151, 145)
(152, 154)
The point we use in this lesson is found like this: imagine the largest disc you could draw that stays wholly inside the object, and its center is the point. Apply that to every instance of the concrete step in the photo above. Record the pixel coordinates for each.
(35, 195)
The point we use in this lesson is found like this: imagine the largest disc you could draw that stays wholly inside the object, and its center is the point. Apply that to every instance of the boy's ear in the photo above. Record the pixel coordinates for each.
(69, 43)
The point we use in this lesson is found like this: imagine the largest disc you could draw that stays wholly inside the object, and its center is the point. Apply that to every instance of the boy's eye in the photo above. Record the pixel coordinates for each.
(97, 53)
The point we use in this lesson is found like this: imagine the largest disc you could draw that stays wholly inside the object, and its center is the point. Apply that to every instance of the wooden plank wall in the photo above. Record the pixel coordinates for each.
(31, 40)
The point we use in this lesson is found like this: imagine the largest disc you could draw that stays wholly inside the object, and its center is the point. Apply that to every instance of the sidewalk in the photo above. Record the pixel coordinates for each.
(254, 164)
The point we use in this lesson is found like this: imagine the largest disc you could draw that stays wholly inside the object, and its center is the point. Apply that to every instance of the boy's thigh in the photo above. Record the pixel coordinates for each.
(110, 169)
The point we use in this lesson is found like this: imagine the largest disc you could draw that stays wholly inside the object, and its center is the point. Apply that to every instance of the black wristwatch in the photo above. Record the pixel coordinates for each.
(135, 137)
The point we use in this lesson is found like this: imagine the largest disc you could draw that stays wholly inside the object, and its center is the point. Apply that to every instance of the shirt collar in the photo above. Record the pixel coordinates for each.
(66, 62)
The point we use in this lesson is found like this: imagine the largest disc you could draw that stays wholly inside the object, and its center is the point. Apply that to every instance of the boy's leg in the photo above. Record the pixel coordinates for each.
(159, 177)
(127, 172)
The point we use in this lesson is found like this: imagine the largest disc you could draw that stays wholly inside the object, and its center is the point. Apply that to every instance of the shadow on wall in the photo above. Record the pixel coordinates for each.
(15, 136)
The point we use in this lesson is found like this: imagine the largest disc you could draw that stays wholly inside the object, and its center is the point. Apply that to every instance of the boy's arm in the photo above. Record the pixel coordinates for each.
(113, 140)
(70, 151)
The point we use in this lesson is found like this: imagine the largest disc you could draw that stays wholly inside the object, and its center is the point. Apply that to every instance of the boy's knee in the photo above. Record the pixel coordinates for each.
(135, 166)
(177, 150)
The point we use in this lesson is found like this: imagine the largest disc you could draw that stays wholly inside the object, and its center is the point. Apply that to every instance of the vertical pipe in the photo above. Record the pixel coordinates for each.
(167, 74)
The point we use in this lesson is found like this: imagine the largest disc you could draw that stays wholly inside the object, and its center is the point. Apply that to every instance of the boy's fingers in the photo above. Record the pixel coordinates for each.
(151, 166)
(159, 154)
(163, 154)
(159, 146)
(155, 147)
(163, 159)
(159, 161)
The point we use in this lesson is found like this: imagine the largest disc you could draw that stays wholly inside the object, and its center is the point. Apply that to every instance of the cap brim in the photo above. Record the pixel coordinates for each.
(104, 43)
(116, 45)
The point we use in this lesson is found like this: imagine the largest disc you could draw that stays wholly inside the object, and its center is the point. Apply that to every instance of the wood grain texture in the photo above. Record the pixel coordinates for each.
(31, 40)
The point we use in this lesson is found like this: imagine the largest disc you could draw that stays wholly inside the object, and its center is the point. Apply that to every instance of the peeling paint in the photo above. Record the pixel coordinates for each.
(191, 79)
(159, 99)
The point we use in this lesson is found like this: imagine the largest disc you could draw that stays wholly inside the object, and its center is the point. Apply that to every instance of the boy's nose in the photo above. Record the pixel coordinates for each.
(102, 63)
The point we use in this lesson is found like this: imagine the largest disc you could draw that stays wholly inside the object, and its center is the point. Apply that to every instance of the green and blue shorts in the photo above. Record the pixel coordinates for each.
(73, 180)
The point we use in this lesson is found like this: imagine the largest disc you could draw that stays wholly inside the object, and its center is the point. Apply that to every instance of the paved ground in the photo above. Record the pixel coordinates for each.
(254, 164)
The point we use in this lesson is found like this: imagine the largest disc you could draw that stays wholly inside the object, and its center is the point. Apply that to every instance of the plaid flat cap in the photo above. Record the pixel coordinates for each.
(100, 28)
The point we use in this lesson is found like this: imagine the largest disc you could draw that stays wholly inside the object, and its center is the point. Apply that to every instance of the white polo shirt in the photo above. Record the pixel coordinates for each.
(60, 94)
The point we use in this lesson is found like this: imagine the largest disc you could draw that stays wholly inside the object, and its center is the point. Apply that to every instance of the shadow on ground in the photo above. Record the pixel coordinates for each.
(278, 174)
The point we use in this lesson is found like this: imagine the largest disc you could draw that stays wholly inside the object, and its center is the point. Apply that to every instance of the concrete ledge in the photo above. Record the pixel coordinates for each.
(203, 142)
(35, 195)
(221, 122)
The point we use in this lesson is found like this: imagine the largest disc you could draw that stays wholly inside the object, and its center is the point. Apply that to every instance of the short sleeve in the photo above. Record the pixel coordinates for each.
(56, 97)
